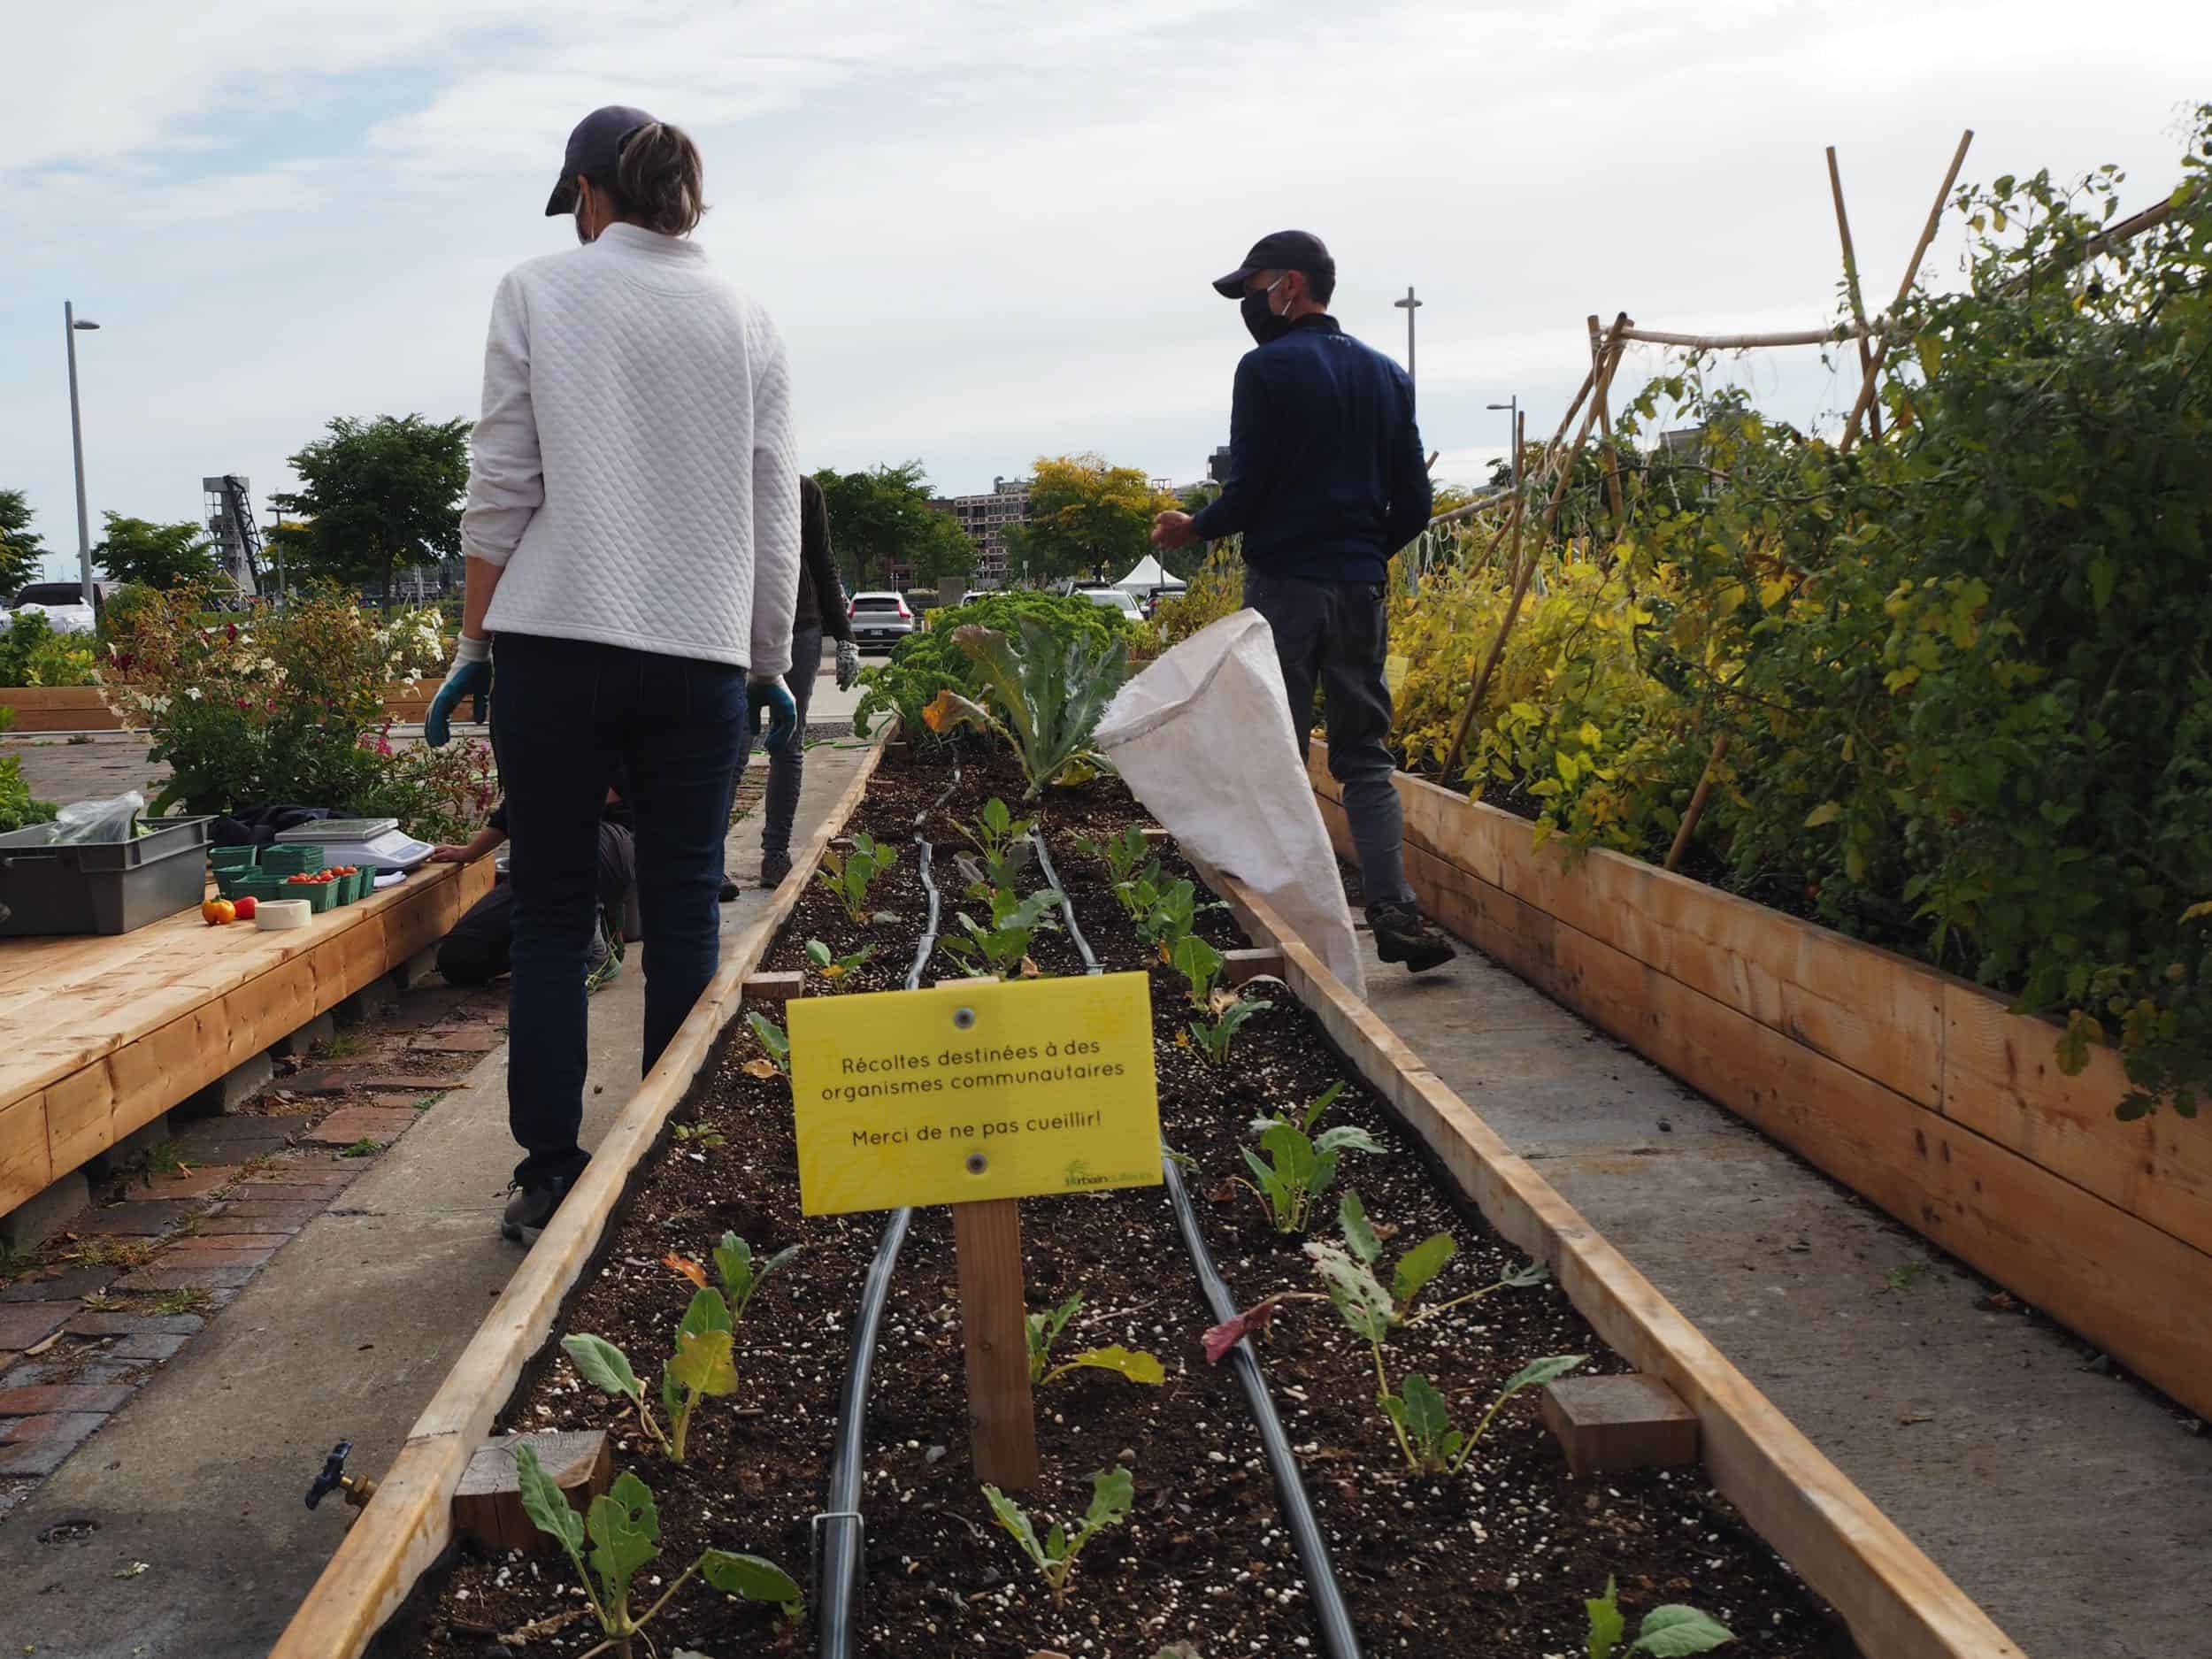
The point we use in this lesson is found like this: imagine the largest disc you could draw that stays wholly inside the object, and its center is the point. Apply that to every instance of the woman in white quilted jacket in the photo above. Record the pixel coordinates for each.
(631, 536)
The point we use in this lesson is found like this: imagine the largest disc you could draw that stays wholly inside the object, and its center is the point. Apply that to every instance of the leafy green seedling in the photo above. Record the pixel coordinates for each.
(1112, 1495)
(1050, 691)
(848, 876)
(740, 1274)
(701, 1367)
(1667, 1633)
(773, 1040)
(1200, 965)
(625, 1529)
(1214, 1036)
(1298, 1167)
(1139, 1365)
(1139, 892)
(1423, 1422)
(607, 1368)
(832, 966)
(1003, 947)
(1123, 856)
(1419, 1265)
(1002, 841)
(698, 1136)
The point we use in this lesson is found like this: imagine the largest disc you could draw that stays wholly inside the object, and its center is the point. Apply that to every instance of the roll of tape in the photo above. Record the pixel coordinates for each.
(277, 913)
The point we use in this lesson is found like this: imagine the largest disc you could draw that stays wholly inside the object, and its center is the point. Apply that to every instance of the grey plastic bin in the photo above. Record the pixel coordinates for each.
(101, 886)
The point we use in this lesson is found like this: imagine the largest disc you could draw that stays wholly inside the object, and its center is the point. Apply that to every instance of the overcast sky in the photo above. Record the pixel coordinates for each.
(986, 229)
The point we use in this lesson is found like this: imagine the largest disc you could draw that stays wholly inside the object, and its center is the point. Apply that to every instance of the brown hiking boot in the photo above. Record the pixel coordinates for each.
(1401, 935)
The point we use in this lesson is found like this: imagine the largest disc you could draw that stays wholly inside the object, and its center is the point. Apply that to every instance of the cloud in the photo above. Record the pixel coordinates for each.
(986, 230)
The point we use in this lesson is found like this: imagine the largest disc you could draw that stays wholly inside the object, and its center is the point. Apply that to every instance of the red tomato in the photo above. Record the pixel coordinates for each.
(245, 907)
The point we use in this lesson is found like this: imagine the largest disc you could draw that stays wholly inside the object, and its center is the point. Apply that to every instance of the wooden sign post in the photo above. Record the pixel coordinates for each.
(978, 1094)
(994, 1326)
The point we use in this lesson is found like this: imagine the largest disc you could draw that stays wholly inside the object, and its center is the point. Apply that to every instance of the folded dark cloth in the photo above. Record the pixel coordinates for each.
(258, 825)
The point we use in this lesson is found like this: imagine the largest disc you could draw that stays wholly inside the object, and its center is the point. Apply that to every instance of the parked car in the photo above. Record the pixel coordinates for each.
(879, 620)
(1114, 599)
(63, 605)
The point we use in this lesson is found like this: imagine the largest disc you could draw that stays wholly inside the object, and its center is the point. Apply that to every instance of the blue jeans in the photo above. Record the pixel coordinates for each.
(787, 768)
(566, 713)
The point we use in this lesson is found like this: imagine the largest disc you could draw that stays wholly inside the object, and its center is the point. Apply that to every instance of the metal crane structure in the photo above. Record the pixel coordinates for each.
(237, 538)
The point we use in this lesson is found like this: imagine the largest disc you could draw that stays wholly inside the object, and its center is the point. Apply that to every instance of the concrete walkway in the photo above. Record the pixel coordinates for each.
(344, 1334)
(97, 765)
(2070, 1503)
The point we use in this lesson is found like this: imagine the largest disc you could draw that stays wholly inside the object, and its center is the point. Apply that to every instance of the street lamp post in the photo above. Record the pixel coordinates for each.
(70, 325)
(1513, 430)
(1408, 305)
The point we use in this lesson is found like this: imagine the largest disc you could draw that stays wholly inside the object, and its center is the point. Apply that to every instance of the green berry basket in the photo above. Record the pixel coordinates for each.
(232, 857)
(321, 896)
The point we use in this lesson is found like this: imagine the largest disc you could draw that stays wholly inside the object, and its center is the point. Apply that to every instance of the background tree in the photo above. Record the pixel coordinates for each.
(379, 495)
(163, 556)
(1086, 520)
(882, 518)
(20, 546)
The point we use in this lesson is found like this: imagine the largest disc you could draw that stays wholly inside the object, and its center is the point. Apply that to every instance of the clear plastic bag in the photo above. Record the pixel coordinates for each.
(114, 820)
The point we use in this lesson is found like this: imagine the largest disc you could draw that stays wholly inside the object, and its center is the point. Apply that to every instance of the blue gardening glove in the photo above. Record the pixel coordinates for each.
(848, 664)
(471, 676)
(769, 695)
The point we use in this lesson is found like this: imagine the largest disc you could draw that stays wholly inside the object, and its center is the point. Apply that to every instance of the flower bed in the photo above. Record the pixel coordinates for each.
(1496, 1559)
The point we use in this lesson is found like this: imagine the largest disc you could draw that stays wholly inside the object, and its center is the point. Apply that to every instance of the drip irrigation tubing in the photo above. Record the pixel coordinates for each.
(1338, 1640)
(840, 1534)
(1067, 905)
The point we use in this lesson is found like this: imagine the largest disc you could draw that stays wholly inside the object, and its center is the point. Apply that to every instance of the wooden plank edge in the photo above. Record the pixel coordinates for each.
(333, 968)
(1991, 1071)
(409, 1522)
(1897, 1601)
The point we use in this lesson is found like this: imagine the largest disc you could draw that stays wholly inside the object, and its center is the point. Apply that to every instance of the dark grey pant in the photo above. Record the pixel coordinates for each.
(786, 770)
(1335, 636)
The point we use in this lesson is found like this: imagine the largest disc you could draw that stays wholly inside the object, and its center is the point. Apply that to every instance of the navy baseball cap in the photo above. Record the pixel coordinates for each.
(594, 148)
(1284, 251)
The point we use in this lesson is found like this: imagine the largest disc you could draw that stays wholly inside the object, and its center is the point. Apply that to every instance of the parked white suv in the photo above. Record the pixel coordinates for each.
(1114, 599)
(879, 620)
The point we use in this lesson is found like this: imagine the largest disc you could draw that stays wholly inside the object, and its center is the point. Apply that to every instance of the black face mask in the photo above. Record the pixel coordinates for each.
(1262, 323)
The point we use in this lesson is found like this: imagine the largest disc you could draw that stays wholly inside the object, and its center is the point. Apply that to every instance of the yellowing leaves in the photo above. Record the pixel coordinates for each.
(1826, 812)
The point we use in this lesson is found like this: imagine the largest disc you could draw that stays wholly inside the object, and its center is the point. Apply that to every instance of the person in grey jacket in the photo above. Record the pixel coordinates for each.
(819, 609)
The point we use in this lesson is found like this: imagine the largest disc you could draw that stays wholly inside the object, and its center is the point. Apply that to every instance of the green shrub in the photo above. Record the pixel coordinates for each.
(923, 664)
(1961, 673)
(17, 808)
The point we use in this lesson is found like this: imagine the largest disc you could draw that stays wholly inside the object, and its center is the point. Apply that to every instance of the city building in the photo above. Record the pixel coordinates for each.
(987, 518)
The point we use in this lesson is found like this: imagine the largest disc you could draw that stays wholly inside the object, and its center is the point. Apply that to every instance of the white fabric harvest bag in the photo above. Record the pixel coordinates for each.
(1203, 738)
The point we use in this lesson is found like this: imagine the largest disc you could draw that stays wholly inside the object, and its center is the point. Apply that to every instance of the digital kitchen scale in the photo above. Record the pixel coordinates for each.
(361, 841)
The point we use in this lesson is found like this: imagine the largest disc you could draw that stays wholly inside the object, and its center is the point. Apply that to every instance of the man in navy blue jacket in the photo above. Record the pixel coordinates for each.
(1327, 481)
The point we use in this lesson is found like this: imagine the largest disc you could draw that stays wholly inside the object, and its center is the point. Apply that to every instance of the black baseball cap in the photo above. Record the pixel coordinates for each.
(1284, 251)
(594, 148)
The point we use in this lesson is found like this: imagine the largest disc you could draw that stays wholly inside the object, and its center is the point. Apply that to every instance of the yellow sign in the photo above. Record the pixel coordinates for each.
(977, 1090)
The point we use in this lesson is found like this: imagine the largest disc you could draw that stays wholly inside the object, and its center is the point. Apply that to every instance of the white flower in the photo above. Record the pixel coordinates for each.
(192, 692)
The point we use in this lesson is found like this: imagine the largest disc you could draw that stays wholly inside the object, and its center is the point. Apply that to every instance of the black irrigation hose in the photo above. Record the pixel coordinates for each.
(839, 1535)
(1338, 1640)
(1067, 905)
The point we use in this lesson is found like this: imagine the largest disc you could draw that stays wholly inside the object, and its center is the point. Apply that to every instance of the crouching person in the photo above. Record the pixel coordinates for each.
(477, 949)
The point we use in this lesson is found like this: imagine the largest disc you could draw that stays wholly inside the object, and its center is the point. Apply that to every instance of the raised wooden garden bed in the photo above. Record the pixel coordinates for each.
(1417, 1566)
(79, 708)
(101, 1035)
(1915, 1088)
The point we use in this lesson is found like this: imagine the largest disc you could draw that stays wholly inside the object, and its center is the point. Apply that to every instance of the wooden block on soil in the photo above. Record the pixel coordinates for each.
(1243, 965)
(487, 1504)
(774, 987)
(1629, 1422)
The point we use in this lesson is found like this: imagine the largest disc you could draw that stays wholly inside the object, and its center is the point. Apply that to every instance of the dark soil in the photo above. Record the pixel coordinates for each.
(1494, 1562)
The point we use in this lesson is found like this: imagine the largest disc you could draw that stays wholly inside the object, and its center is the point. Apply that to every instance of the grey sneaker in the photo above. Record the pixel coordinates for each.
(531, 1207)
(774, 866)
(605, 964)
